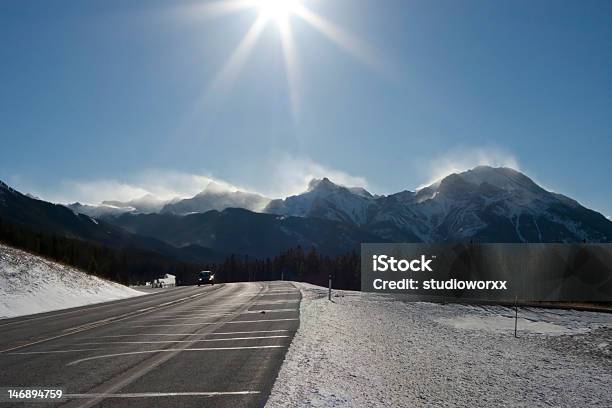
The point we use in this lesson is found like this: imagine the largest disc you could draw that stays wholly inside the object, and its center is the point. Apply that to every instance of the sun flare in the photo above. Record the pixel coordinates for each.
(277, 10)
(279, 13)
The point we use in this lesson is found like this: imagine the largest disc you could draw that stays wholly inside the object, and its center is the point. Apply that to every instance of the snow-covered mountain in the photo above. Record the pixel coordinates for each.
(485, 204)
(216, 197)
(325, 199)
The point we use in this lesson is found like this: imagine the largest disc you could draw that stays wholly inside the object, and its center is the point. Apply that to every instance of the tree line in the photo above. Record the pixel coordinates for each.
(127, 266)
(294, 264)
(130, 266)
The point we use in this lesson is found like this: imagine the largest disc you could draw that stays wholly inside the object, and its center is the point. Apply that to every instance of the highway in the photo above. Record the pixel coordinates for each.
(216, 346)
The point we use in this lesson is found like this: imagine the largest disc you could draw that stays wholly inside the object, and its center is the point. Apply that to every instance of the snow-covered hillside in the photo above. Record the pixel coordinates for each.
(369, 350)
(31, 284)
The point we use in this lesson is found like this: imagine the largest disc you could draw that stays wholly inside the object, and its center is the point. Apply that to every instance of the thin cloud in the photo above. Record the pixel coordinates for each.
(462, 159)
(162, 184)
(292, 175)
(287, 175)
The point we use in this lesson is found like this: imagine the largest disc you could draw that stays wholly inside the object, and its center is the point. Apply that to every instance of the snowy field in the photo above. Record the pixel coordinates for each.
(368, 350)
(31, 284)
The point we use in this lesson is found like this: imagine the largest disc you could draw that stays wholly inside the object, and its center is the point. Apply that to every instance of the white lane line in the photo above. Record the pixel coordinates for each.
(25, 353)
(271, 294)
(269, 311)
(208, 315)
(170, 318)
(247, 332)
(170, 351)
(193, 334)
(205, 323)
(181, 341)
(276, 294)
(262, 320)
(282, 290)
(161, 394)
(196, 312)
(223, 307)
(180, 316)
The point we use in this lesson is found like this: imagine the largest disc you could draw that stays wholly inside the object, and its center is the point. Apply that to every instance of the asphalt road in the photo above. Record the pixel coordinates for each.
(216, 346)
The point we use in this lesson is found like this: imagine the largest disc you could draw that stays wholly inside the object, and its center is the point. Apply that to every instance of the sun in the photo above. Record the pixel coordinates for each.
(277, 10)
(279, 13)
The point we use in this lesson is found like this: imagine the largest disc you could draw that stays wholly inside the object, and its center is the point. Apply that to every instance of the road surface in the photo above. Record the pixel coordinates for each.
(217, 346)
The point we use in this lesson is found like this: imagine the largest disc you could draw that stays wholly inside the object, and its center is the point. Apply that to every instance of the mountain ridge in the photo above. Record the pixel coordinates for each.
(493, 204)
(484, 204)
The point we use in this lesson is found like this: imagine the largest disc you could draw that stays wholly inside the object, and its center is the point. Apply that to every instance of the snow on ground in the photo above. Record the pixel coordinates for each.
(368, 350)
(31, 284)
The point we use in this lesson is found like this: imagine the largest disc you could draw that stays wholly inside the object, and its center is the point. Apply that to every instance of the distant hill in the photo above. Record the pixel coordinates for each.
(241, 231)
(55, 219)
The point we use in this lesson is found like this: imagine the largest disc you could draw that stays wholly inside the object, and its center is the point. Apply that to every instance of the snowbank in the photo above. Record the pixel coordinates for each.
(367, 350)
(31, 284)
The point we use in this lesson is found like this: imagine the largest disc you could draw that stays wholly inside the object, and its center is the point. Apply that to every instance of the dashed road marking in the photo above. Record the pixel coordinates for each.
(270, 311)
(25, 353)
(212, 315)
(194, 334)
(182, 341)
(170, 351)
(206, 323)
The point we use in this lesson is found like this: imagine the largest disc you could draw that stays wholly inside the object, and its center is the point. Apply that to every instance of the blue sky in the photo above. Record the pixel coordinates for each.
(112, 98)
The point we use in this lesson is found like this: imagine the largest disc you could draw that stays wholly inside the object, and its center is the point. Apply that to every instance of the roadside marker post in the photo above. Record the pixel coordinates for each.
(515, 316)
(330, 286)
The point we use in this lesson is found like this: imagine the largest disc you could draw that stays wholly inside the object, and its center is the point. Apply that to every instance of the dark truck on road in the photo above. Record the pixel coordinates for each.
(206, 278)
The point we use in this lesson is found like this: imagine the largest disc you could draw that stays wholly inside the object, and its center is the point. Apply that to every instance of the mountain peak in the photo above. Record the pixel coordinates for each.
(504, 178)
(321, 184)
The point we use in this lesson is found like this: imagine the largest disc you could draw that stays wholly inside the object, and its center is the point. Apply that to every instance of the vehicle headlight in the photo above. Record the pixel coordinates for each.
(211, 277)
